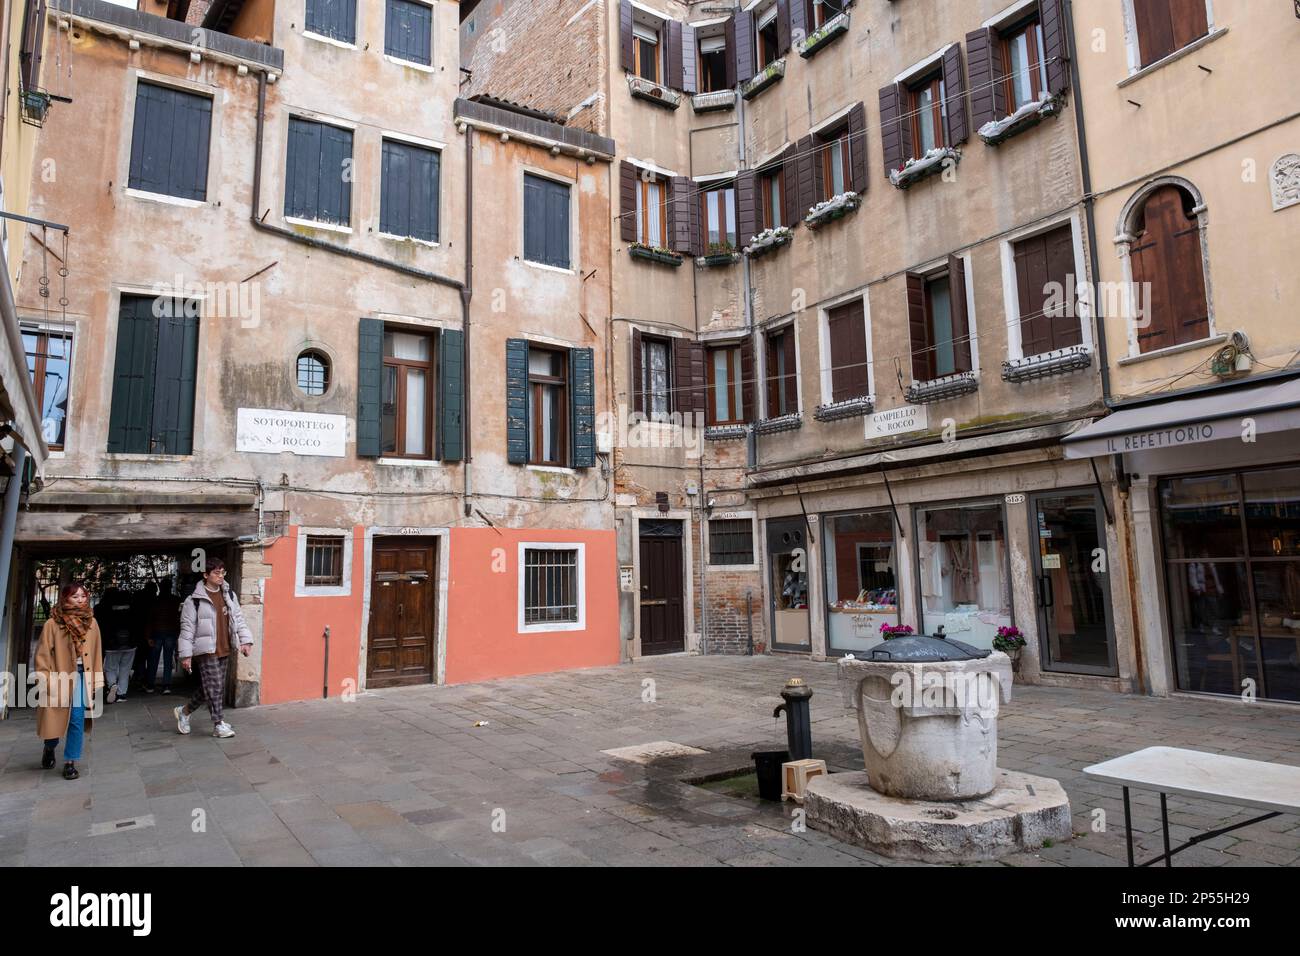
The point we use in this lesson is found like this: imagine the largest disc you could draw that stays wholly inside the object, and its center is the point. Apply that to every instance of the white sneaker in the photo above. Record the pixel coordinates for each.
(112, 694)
(223, 729)
(182, 719)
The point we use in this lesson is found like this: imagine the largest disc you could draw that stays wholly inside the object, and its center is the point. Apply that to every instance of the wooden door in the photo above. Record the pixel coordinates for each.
(400, 650)
(663, 626)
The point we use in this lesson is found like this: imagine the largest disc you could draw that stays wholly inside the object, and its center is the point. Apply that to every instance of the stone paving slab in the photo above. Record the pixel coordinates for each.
(403, 778)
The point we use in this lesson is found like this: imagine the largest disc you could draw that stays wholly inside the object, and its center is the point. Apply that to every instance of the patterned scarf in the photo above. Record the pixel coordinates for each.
(75, 622)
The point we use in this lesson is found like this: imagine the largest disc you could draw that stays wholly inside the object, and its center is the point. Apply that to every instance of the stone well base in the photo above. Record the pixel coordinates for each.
(1017, 816)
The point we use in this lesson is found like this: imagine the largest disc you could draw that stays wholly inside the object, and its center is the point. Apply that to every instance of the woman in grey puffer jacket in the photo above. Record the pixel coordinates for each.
(211, 626)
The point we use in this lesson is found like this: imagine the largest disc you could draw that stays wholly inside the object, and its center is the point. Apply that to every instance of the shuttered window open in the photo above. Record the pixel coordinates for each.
(1169, 266)
(546, 221)
(938, 321)
(1166, 26)
(582, 406)
(1045, 275)
(154, 371)
(451, 395)
(409, 191)
(169, 142)
(847, 332)
(336, 19)
(726, 397)
(408, 31)
(318, 177)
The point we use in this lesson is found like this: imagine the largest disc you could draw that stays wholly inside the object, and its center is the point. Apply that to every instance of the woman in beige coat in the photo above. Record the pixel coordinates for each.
(70, 669)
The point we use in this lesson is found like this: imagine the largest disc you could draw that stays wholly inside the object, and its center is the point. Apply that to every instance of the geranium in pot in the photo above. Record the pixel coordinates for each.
(1010, 641)
(890, 631)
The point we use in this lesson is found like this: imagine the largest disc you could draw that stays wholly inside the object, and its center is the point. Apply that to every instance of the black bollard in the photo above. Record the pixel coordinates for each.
(798, 718)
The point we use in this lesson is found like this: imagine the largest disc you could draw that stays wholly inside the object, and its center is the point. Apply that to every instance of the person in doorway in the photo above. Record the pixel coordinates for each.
(211, 624)
(114, 616)
(70, 669)
(162, 625)
(142, 606)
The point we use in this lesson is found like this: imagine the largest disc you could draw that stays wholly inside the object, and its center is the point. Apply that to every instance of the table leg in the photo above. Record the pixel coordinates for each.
(1128, 828)
(1164, 826)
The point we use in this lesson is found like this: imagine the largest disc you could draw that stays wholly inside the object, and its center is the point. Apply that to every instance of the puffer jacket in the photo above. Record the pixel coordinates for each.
(199, 623)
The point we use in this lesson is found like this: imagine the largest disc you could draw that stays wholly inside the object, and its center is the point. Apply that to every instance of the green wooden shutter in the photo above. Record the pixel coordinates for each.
(451, 395)
(582, 406)
(517, 401)
(173, 390)
(129, 420)
(370, 377)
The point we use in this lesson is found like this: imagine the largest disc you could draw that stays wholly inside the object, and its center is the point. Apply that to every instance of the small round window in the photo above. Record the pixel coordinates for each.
(313, 372)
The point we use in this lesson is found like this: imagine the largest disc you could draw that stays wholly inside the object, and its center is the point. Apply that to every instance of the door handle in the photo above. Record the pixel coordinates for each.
(1049, 598)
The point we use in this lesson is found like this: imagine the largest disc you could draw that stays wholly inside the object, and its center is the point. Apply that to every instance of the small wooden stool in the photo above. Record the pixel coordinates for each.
(795, 776)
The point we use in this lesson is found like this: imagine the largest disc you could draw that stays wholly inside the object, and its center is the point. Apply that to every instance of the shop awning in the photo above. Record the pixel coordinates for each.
(1274, 407)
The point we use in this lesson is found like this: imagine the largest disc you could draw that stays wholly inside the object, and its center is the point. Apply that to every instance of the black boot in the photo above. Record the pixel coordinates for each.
(47, 758)
(70, 771)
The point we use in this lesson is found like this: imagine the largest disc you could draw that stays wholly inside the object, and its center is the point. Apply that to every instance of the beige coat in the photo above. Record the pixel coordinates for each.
(54, 657)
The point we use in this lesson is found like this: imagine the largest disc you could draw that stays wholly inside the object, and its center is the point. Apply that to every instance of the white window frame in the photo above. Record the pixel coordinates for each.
(580, 574)
(1011, 291)
(1134, 51)
(185, 86)
(300, 588)
(824, 343)
(752, 516)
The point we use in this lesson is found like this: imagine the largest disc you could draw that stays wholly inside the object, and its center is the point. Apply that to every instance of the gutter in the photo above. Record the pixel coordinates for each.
(466, 292)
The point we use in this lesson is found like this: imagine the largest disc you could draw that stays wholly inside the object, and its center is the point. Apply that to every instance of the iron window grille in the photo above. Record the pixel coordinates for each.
(731, 541)
(550, 586)
(313, 372)
(324, 562)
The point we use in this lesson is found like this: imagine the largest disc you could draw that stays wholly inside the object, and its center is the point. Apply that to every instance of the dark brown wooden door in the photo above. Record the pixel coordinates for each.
(402, 598)
(663, 628)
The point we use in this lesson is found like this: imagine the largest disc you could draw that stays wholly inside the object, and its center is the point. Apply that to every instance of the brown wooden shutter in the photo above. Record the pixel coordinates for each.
(746, 206)
(673, 40)
(962, 333)
(1167, 261)
(891, 135)
(848, 347)
(695, 205)
(791, 376)
(1058, 247)
(808, 164)
(783, 26)
(679, 215)
(747, 376)
(772, 344)
(858, 148)
(798, 20)
(690, 60)
(817, 149)
(793, 214)
(729, 34)
(681, 399)
(32, 50)
(981, 47)
(699, 379)
(1056, 44)
(1189, 21)
(919, 325)
(743, 48)
(627, 187)
(1031, 283)
(625, 40)
(636, 373)
(954, 84)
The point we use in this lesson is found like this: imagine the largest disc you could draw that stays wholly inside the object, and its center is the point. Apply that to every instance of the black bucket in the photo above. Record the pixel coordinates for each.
(767, 765)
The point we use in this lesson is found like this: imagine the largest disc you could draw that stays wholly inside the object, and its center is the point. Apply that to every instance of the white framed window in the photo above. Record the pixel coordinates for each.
(1053, 313)
(1158, 30)
(324, 563)
(552, 586)
(844, 345)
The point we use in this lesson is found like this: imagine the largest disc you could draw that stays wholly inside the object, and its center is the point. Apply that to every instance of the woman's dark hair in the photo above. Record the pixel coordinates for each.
(71, 588)
(214, 564)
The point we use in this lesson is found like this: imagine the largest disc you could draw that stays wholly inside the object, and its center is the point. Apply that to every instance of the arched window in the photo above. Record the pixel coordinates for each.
(1169, 269)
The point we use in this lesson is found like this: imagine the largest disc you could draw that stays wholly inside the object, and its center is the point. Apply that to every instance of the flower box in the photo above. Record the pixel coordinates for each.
(914, 170)
(643, 89)
(942, 388)
(763, 79)
(837, 207)
(1057, 362)
(1027, 117)
(849, 408)
(783, 423)
(717, 100)
(769, 239)
(821, 38)
(35, 104)
(725, 432)
(651, 254)
(717, 256)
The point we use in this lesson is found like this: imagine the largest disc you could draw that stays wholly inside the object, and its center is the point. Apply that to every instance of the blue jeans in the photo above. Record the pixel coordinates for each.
(76, 721)
(164, 646)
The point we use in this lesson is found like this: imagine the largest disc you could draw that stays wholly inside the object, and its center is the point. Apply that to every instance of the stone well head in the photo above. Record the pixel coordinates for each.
(928, 716)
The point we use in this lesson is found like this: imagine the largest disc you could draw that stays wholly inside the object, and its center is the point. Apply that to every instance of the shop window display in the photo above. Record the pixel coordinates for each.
(965, 585)
(861, 580)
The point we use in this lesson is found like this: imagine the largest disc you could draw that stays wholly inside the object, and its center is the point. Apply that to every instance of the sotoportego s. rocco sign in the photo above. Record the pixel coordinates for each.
(269, 431)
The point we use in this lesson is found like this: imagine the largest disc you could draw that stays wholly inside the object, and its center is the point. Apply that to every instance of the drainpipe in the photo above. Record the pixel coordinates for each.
(8, 522)
(465, 293)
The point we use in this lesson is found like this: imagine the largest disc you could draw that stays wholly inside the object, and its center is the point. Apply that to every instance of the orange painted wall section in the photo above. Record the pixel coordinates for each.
(483, 639)
(293, 655)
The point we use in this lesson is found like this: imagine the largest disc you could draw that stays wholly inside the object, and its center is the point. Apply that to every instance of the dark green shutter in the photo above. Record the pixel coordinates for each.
(582, 406)
(173, 390)
(129, 420)
(370, 376)
(451, 395)
(517, 401)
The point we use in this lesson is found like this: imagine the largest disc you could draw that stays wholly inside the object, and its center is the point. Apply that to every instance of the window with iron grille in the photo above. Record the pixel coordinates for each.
(551, 586)
(324, 562)
(731, 541)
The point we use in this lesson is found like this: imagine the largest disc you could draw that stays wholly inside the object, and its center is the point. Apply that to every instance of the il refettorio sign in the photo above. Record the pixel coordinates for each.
(270, 432)
(1161, 438)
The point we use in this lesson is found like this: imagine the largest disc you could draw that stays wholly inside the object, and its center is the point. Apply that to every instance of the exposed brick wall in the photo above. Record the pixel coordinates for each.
(529, 52)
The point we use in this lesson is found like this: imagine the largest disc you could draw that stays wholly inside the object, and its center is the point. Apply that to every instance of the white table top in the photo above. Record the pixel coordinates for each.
(1194, 773)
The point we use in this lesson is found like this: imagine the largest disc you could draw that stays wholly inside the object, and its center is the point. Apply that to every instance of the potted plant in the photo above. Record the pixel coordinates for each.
(890, 631)
(719, 253)
(1010, 641)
